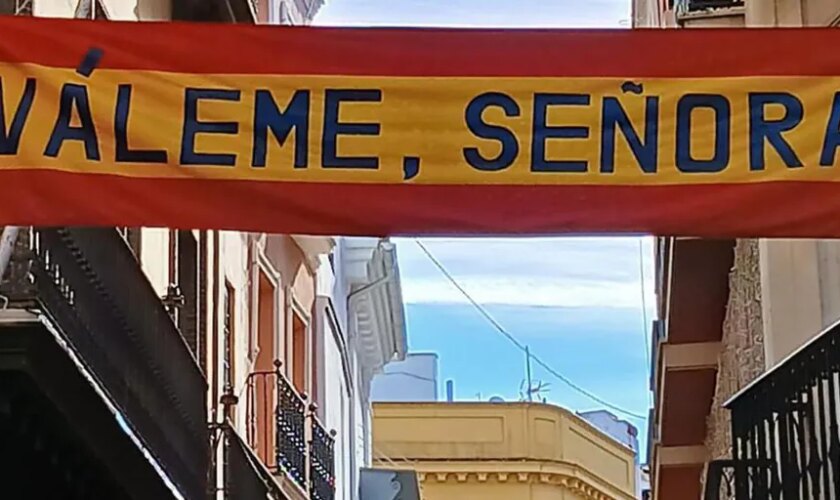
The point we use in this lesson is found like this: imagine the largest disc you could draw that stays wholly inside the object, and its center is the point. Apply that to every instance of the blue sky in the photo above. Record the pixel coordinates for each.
(577, 302)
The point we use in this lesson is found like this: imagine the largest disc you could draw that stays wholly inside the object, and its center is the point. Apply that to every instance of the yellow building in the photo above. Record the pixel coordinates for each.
(504, 451)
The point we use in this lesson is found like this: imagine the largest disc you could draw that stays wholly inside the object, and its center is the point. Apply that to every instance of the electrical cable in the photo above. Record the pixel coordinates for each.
(502, 330)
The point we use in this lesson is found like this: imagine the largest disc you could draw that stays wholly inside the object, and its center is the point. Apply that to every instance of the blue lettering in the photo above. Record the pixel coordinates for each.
(832, 134)
(10, 139)
(474, 116)
(723, 111)
(543, 132)
(124, 153)
(281, 123)
(646, 152)
(762, 129)
(193, 127)
(73, 97)
(333, 128)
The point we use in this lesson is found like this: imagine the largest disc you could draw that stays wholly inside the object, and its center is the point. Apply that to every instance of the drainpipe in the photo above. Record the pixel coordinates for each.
(7, 246)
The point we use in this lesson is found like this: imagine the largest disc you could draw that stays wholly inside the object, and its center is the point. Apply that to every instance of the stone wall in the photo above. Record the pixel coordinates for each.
(742, 354)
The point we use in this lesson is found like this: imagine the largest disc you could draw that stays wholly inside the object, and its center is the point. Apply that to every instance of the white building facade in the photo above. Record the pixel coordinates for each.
(360, 303)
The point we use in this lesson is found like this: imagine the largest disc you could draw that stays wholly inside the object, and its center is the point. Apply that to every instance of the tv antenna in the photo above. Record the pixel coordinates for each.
(527, 388)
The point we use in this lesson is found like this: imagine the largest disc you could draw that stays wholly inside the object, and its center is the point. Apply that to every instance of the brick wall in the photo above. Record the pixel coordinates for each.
(742, 355)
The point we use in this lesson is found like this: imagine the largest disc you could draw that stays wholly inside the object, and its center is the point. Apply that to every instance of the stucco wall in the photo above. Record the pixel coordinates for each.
(536, 451)
(742, 354)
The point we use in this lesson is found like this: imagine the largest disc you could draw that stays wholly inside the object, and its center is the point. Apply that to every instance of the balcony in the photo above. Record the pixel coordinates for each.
(236, 11)
(97, 330)
(786, 438)
(321, 462)
(287, 436)
(709, 13)
(701, 5)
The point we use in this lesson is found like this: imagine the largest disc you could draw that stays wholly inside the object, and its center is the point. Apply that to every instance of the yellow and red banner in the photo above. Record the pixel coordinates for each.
(388, 131)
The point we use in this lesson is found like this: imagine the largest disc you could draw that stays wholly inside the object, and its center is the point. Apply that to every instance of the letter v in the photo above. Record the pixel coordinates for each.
(10, 139)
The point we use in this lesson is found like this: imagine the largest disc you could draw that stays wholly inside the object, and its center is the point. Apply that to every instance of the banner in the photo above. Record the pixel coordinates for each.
(388, 131)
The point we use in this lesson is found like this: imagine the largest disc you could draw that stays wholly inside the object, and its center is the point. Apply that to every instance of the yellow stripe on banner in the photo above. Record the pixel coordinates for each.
(724, 130)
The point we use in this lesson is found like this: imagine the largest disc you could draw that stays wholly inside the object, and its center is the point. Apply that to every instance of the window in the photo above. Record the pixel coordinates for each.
(16, 7)
(299, 363)
(227, 337)
(266, 323)
(187, 268)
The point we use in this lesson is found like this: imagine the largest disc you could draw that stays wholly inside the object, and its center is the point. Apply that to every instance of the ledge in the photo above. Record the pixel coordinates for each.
(568, 477)
(375, 304)
(693, 356)
(671, 456)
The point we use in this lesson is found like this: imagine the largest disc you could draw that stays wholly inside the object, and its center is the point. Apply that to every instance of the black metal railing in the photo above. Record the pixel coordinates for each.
(701, 5)
(321, 462)
(291, 431)
(786, 437)
(90, 286)
(284, 437)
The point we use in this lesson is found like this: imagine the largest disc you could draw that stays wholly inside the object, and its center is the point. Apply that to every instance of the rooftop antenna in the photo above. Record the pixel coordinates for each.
(527, 389)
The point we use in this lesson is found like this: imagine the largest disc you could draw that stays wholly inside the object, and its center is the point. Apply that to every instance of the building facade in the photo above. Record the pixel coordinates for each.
(102, 391)
(487, 451)
(738, 373)
(286, 12)
(161, 363)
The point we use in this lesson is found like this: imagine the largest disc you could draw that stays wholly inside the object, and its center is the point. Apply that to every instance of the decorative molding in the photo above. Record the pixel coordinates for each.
(313, 247)
(376, 314)
(568, 482)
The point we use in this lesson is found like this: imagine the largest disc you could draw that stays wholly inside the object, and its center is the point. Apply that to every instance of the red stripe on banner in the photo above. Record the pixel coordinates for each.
(55, 198)
(223, 49)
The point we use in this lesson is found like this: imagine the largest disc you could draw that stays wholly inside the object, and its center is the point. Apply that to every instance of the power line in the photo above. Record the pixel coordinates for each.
(502, 330)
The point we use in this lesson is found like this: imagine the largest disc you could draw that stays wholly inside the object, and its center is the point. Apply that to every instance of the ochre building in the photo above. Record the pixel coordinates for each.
(504, 451)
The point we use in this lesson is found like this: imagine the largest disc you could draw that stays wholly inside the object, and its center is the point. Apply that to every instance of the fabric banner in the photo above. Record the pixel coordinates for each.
(404, 131)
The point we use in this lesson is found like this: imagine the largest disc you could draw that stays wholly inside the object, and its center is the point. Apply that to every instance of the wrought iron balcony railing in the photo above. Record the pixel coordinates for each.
(291, 431)
(285, 438)
(90, 286)
(786, 429)
(683, 7)
(321, 462)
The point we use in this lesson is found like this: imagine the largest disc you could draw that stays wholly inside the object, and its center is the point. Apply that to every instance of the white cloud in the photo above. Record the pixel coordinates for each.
(559, 272)
(475, 13)
(525, 292)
